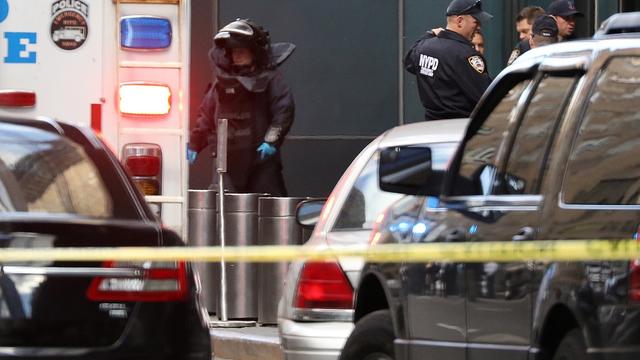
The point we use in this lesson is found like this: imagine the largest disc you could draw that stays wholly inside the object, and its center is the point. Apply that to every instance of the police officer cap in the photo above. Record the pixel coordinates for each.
(468, 7)
(545, 26)
(563, 8)
(237, 34)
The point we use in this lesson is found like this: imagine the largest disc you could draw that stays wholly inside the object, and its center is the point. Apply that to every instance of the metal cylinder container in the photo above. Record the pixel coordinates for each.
(202, 232)
(278, 226)
(241, 229)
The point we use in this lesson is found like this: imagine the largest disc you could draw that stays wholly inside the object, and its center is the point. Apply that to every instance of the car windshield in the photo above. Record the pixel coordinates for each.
(44, 173)
(366, 200)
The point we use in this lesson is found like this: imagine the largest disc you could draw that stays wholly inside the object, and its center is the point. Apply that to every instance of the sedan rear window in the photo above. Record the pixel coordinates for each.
(46, 173)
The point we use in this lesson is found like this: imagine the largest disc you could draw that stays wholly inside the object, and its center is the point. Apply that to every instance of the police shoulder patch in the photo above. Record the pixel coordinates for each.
(514, 55)
(477, 63)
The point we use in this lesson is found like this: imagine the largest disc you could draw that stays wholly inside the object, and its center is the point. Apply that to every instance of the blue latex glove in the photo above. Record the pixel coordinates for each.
(191, 155)
(266, 150)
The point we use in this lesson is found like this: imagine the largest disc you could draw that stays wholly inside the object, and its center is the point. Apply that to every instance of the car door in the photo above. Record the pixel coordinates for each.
(436, 303)
(499, 294)
(594, 192)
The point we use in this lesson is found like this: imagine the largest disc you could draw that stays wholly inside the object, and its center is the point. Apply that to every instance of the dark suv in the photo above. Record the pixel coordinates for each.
(551, 152)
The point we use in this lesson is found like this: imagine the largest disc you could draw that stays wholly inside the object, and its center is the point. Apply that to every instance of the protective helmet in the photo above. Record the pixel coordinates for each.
(244, 33)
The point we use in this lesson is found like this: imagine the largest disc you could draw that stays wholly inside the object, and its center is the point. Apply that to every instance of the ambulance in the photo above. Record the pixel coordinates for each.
(118, 66)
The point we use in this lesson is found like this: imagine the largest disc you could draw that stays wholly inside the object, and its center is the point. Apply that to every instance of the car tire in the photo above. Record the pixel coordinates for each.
(371, 339)
(572, 347)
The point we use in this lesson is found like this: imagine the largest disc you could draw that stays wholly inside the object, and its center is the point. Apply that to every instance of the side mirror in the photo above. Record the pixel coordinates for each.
(407, 170)
(308, 212)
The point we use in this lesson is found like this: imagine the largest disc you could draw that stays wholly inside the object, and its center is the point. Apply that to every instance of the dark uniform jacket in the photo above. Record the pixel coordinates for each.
(451, 74)
(522, 47)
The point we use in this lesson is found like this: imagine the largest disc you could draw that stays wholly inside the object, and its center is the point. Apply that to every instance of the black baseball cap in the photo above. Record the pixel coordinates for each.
(468, 7)
(563, 8)
(545, 26)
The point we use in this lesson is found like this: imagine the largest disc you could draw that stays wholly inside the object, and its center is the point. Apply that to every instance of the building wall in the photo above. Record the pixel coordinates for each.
(346, 73)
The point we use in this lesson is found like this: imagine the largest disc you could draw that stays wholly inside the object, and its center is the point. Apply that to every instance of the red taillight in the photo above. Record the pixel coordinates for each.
(634, 280)
(152, 282)
(144, 162)
(634, 274)
(17, 98)
(143, 165)
(323, 285)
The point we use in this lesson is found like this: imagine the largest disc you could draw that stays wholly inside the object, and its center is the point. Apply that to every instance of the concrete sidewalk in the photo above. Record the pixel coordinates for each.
(249, 343)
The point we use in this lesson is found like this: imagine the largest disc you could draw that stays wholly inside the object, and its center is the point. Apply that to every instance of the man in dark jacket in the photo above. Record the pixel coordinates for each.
(451, 74)
(565, 13)
(252, 95)
(524, 24)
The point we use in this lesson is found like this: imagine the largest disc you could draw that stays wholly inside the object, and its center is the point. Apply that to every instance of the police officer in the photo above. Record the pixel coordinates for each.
(544, 31)
(565, 13)
(524, 23)
(451, 75)
(252, 95)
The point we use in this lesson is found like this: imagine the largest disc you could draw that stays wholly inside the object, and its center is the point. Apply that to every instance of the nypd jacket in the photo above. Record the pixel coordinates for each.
(259, 108)
(451, 75)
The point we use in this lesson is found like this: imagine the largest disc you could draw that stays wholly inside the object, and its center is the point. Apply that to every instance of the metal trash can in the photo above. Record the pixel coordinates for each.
(203, 224)
(241, 229)
(278, 226)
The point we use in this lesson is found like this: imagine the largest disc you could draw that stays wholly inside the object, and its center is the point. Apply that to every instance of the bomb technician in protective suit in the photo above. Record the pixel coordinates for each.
(252, 95)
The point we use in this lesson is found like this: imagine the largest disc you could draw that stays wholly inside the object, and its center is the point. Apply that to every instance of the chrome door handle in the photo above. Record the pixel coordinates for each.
(526, 233)
(455, 236)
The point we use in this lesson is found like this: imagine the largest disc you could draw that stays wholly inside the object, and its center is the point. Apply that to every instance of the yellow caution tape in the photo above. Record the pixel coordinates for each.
(573, 250)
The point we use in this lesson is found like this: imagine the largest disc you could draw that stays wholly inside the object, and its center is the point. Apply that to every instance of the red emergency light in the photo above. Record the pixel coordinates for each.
(17, 98)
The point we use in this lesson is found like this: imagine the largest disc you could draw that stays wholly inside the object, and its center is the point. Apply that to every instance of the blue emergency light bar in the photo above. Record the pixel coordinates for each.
(145, 33)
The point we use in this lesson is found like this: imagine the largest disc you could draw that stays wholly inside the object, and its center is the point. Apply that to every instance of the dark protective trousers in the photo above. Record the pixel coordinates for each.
(246, 173)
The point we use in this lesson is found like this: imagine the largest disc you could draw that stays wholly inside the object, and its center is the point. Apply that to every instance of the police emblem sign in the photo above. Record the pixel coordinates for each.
(477, 63)
(69, 28)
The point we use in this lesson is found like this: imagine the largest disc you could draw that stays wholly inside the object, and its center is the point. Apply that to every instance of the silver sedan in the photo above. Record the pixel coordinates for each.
(316, 308)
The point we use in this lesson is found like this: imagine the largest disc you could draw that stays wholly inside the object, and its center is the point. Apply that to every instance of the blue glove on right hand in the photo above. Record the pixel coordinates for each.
(266, 150)
(191, 155)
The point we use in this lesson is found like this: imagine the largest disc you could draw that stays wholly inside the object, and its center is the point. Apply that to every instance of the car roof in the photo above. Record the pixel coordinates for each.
(425, 132)
(621, 24)
(587, 49)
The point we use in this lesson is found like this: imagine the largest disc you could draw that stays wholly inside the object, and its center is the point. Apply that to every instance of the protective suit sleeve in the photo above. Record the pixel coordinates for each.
(204, 131)
(282, 109)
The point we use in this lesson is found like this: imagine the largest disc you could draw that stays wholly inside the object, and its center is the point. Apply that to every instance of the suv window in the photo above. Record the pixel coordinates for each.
(537, 127)
(477, 166)
(50, 175)
(603, 167)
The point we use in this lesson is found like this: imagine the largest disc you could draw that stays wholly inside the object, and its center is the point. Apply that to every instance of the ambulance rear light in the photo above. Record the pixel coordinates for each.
(144, 98)
(17, 98)
(145, 33)
(144, 163)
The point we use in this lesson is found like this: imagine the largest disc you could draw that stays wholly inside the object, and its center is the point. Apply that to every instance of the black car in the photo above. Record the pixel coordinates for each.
(551, 153)
(61, 187)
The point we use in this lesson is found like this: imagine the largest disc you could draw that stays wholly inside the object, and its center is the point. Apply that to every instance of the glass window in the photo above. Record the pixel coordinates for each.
(51, 175)
(536, 130)
(477, 167)
(604, 167)
(365, 200)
